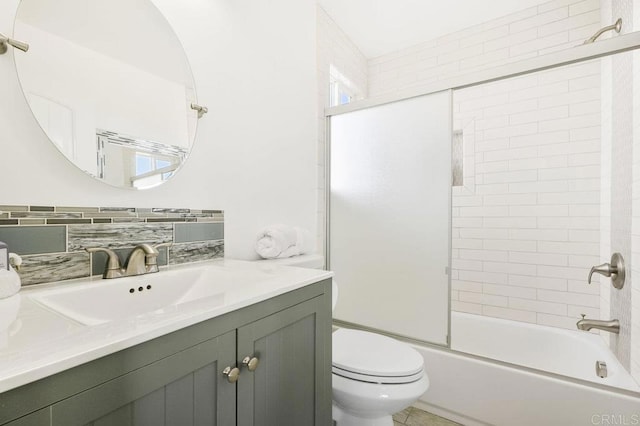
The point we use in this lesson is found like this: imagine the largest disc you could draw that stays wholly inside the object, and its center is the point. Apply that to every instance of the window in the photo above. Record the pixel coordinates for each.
(339, 94)
(341, 90)
(146, 164)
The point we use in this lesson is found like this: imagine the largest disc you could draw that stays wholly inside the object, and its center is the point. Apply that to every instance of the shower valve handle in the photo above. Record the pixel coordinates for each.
(614, 269)
(605, 269)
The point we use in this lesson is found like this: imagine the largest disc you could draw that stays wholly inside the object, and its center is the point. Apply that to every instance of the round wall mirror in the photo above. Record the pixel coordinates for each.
(109, 83)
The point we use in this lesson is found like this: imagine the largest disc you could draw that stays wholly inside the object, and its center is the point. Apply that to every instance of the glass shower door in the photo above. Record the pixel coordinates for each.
(390, 209)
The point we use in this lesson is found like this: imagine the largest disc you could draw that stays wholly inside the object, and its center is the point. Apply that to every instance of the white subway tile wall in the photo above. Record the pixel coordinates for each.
(552, 26)
(334, 49)
(527, 231)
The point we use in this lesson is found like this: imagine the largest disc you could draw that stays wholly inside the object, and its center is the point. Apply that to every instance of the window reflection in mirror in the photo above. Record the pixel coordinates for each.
(132, 162)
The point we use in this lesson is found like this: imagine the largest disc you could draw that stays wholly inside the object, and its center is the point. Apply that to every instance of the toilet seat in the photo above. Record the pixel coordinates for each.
(373, 358)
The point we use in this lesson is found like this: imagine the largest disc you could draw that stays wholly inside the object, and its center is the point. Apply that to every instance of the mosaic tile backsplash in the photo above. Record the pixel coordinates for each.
(52, 240)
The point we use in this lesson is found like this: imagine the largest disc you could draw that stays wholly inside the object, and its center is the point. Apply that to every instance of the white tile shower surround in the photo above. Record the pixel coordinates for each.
(526, 222)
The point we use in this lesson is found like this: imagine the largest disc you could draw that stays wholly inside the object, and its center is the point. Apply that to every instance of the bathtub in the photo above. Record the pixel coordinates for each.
(474, 390)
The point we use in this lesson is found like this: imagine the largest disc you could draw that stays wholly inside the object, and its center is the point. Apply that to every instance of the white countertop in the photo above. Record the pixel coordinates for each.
(36, 342)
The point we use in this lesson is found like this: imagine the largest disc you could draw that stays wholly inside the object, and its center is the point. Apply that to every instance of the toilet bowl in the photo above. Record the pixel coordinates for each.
(373, 376)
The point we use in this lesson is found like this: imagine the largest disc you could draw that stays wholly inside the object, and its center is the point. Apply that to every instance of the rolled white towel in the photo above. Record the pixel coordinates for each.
(278, 241)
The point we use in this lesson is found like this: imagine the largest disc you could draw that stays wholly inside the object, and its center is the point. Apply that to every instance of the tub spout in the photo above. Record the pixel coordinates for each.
(612, 326)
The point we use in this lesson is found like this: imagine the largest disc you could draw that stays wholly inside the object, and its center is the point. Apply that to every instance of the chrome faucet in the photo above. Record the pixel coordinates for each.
(612, 326)
(143, 259)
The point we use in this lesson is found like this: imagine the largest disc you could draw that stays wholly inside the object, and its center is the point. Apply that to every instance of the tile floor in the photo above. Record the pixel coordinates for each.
(414, 417)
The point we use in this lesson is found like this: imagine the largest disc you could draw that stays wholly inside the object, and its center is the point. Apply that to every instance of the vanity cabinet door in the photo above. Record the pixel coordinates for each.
(183, 389)
(291, 385)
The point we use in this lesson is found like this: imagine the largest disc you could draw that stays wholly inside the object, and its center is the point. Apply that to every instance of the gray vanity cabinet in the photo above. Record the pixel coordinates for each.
(177, 380)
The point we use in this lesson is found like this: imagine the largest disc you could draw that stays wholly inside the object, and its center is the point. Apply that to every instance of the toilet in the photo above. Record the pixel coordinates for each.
(373, 376)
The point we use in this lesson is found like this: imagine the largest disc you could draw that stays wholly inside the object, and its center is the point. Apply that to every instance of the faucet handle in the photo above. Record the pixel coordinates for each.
(113, 269)
(151, 258)
(151, 255)
(114, 260)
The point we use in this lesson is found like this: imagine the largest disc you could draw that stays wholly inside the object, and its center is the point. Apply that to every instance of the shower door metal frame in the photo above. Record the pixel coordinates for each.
(580, 53)
(327, 247)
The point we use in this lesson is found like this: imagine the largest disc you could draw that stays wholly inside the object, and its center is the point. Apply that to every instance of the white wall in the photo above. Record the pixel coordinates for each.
(255, 153)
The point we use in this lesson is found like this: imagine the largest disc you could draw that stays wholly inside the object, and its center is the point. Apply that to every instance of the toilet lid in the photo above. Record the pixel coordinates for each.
(372, 354)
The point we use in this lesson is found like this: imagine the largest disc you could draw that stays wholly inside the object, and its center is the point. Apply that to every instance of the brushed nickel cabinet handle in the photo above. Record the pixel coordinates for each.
(232, 374)
(250, 362)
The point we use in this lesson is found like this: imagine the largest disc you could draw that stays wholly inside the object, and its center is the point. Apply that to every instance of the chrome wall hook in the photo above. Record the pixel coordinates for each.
(202, 110)
(6, 41)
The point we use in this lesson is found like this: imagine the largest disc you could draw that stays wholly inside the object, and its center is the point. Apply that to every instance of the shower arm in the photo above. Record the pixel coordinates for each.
(617, 27)
(6, 41)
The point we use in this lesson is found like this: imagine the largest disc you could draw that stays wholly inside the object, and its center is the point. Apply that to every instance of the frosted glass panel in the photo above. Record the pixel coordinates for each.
(390, 216)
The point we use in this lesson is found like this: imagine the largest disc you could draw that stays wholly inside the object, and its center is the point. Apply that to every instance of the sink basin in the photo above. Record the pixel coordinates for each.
(99, 301)
(184, 289)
